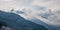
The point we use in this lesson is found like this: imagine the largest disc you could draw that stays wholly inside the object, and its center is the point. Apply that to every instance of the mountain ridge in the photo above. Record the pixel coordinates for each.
(16, 22)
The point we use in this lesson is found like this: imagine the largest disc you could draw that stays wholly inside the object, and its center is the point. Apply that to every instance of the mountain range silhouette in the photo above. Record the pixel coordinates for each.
(16, 22)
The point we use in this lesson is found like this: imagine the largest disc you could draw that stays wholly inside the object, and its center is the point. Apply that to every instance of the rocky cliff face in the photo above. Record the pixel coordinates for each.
(16, 22)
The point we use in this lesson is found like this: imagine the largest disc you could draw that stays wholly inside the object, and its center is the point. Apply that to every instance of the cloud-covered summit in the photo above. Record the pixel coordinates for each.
(46, 10)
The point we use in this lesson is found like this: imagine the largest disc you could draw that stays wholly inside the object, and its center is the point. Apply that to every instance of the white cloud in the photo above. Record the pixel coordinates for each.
(5, 0)
(27, 3)
(7, 4)
(54, 5)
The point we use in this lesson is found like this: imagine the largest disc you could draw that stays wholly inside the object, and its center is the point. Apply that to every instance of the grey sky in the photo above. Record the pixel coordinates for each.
(29, 6)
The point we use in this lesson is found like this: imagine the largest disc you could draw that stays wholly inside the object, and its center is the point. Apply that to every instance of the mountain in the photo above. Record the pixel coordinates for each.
(16, 22)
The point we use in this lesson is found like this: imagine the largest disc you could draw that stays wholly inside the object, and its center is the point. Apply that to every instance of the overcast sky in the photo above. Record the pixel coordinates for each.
(35, 7)
(17, 4)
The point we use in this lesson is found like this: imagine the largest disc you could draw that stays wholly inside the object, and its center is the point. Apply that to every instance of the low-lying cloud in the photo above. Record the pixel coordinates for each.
(45, 10)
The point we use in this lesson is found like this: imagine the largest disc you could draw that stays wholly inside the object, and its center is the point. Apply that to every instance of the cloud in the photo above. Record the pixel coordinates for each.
(5, 0)
(33, 8)
(16, 4)
(49, 4)
(39, 7)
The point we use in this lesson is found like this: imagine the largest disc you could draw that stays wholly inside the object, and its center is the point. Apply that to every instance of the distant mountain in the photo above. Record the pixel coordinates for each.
(16, 22)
